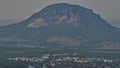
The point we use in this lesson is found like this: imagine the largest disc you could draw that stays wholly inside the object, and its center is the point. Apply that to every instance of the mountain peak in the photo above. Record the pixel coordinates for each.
(63, 13)
(59, 9)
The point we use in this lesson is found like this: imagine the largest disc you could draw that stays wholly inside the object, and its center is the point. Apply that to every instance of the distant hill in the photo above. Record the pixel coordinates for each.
(62, 25)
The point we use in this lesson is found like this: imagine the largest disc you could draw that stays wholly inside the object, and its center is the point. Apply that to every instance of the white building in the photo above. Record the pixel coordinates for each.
(30, 66)
(45, 66)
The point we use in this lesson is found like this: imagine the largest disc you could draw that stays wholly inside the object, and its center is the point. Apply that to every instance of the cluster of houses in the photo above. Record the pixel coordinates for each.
(55, 59)
(46, 57)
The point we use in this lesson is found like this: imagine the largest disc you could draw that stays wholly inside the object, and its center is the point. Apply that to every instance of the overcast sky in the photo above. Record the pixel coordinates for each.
(22, 9)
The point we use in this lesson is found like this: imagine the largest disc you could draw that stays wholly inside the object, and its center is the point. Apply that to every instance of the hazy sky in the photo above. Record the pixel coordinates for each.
(21, 9)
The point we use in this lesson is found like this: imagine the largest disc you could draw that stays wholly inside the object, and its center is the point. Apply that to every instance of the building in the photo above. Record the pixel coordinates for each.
(30, 66)
(45, 66)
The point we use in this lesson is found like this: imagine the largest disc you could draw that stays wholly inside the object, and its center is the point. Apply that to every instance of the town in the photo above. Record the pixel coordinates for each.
(68, 61)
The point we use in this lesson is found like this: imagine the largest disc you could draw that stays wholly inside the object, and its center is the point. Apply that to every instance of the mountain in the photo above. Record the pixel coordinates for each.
(62, 25)
(4, 22)
(115, 23)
